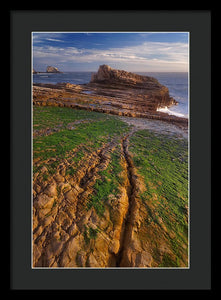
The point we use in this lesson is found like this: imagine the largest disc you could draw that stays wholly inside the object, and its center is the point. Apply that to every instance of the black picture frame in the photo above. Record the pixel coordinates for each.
(198, 276)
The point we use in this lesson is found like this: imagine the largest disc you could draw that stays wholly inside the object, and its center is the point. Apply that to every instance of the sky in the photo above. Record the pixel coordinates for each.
(129, 51)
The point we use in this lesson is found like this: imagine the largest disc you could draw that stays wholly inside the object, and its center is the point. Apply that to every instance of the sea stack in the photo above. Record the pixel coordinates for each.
(112, 91)
(144, 93)
(51, 69)
(106, 74)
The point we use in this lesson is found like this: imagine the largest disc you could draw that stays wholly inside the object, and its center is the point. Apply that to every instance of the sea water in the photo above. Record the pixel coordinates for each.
(177, 83)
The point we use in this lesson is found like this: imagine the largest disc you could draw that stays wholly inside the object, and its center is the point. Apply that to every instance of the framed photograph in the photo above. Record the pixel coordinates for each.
(110, 128)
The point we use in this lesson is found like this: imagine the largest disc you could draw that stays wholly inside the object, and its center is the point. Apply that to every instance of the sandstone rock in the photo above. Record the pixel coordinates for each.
(64, 236)
(54, 264)
(64, 187)
(36, 253)
(66, 232)
(122, 94)
(47, 221)
(81, 259)
(71, 195)
(73, 247)
(44, 201)
(44, 169)
(77, 188)
(73, 230)
(38, 231)
(56, 235)
(43, 212)
(59, 178)
(63, 219)
(51, 190)
(106, 74)
(92, 262)
(51, 69)
(72, 86)
(143, 92)
(37, 188)
(41, 240)
(54, 248)
(163, 249)
(35, 220)
(142, 259)
(62, 170)
(114, 246)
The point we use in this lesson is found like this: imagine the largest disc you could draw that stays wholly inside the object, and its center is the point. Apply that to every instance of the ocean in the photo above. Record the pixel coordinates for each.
(177, 83)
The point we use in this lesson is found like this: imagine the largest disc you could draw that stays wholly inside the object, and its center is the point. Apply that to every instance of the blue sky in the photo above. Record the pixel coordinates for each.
(85, 51)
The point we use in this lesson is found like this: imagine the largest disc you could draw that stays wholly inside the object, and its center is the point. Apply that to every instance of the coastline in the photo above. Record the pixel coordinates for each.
(88, 98)
(109, 166)
(107, 191)
(177, 83)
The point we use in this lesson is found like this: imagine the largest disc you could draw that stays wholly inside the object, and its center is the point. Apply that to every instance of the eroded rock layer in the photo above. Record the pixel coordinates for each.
(143, 93)
(99, 202)
(112, 91)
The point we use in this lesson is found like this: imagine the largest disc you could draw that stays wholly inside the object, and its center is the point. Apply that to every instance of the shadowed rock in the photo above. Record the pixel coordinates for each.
(143, 92)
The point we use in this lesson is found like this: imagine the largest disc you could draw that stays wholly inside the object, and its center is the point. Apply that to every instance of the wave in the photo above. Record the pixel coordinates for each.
(170, 112)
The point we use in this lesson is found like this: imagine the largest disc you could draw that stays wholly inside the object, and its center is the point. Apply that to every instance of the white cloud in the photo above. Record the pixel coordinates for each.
(150, 56)
(54, 40)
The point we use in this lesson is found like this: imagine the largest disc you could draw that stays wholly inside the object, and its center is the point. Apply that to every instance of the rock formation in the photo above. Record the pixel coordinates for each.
(112, 91)
(70, 228)
(142, 92)
(108, 75)
(119, 229)
(51, 69)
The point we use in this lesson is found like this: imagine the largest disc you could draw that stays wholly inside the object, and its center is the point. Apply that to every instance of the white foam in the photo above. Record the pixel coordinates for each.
(170, 112)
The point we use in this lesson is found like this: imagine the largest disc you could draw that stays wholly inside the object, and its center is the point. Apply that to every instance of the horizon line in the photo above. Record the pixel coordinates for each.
(138, 71)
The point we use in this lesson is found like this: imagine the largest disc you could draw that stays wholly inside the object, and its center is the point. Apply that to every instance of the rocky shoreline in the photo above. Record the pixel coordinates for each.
(114, 92)
(108, 192)
(105, 194)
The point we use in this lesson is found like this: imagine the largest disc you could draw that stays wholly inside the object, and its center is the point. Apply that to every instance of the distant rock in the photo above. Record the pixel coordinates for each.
(51, 69)
(34, 72)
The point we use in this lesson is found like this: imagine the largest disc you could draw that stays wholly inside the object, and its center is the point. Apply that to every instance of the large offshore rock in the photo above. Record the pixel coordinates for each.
(144, 93)
(51, 69)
